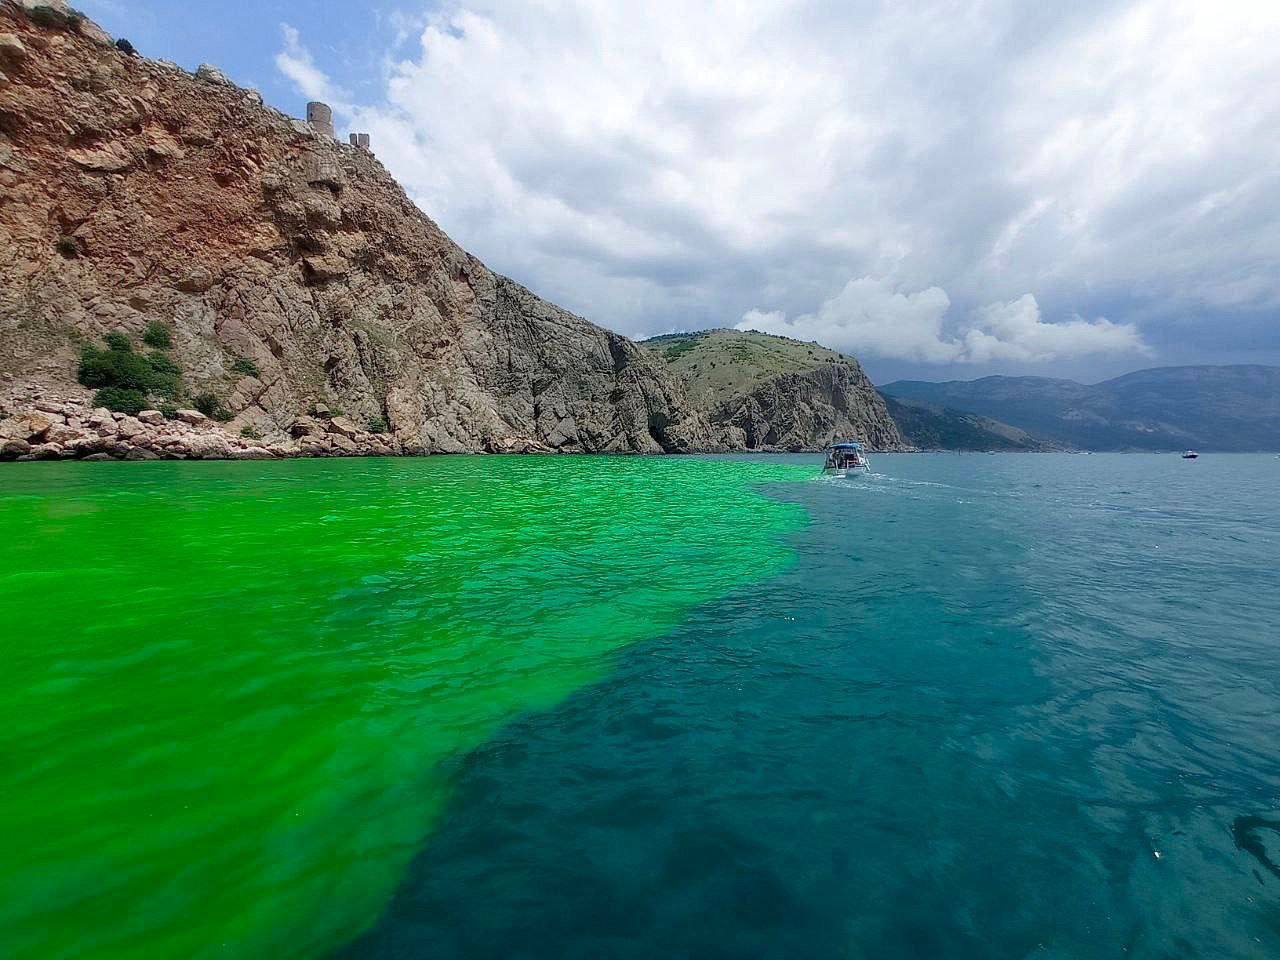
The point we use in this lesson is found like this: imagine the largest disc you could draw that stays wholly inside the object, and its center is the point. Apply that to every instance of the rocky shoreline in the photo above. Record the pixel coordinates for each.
(64, 428)
(41, 426)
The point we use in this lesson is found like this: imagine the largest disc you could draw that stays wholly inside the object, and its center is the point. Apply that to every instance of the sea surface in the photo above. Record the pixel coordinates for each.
(593, 707)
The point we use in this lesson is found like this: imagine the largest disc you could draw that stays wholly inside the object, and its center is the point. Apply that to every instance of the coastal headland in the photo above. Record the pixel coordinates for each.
(281, 295)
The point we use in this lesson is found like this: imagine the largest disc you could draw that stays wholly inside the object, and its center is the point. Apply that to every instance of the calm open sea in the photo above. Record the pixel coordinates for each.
(970, 706)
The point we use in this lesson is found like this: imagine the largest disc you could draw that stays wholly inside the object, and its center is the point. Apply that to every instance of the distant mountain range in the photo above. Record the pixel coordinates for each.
(927, 426)
(1224, 408)
(786, 394)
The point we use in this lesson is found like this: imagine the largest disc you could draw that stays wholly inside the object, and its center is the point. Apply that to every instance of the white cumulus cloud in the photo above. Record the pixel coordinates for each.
(872, 316)
(1015, 331)
(295, 62)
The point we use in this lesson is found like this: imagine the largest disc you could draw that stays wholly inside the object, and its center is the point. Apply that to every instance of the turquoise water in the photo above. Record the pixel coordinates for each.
(999, 707)
(970, 706)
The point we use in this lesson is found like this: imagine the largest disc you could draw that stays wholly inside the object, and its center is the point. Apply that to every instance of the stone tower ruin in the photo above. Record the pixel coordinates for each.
(320, 117)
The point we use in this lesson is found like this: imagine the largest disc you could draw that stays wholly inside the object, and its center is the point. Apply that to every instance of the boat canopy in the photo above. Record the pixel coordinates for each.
(847, 445)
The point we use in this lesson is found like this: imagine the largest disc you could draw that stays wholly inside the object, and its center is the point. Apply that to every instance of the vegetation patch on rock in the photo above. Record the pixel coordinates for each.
(211, 406)
(54, 18)
(121, 400)
(125, 378)
(158, 335)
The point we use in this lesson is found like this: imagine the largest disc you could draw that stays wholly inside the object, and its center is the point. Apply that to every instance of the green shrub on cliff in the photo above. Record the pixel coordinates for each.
(165, 377)
(151, 374)
(211, 407)
(125, 379)
(50, 17)
(109, 368)
(157, 335)
(121, 400)
(245, 367)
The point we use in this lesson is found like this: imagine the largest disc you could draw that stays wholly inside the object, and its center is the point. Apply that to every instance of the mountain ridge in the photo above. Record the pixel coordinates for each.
(927, 426)
(1232, 407)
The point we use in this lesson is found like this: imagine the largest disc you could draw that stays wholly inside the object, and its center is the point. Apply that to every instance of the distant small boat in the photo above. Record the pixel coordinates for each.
(1190, 455)
(845, 457)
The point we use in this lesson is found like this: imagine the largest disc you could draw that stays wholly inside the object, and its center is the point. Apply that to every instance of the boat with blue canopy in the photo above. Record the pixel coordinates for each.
(845, 457)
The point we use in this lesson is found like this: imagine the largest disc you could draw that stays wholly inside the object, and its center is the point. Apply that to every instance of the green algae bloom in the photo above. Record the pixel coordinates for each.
(232, 693)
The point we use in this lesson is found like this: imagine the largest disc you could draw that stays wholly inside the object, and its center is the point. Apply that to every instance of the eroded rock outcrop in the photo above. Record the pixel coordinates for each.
(134, 191)
(772, 393)
(809, 409)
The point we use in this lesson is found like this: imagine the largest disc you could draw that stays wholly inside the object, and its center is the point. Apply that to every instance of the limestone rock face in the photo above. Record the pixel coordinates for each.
(767, 392)
(30, 426)
(809, 409)
(134, 192)
(211, 74)
(11, 48)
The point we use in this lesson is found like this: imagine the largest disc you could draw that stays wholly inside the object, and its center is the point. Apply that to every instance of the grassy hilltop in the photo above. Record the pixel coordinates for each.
(719, 364)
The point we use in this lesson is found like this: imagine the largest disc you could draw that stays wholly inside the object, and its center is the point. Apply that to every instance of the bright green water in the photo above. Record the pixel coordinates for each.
(232, 692)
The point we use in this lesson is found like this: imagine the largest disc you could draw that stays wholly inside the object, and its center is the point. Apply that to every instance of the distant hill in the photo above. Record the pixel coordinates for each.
(774, 393)
(1226, 408)
(929, 427)
(780, 391)
(715, 364)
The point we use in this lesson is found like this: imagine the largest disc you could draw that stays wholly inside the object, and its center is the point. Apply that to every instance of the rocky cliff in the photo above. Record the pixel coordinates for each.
(294, 274)
(771, 393)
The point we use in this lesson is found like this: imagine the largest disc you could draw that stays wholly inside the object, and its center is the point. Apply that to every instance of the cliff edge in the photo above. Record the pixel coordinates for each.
(293, 272)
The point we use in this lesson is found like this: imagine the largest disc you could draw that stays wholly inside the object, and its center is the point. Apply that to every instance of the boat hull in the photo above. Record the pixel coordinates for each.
(843, 472)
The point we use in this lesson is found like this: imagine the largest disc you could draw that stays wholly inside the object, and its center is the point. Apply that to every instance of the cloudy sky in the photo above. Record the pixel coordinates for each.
(947, 189)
